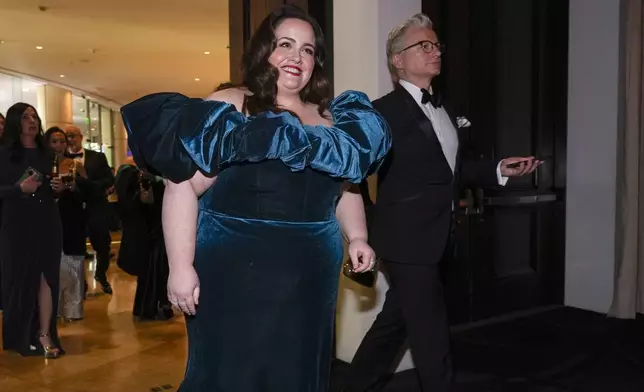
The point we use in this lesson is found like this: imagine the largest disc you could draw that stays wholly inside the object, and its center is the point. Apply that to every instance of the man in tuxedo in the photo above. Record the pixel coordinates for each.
(99, 180)
(413, 215)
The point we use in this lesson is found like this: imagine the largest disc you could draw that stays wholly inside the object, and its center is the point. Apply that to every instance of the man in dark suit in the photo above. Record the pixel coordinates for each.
(412, 217)
(100, 179)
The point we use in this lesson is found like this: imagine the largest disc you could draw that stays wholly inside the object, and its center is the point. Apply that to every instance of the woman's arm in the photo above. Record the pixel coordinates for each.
(180, 205)
(351, 215)
(353, 223)
(28, 185)
(9, 191)
(180, 202)
(179, 214)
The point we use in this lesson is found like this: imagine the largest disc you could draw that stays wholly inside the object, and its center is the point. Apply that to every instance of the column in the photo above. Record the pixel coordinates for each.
(593, 121)
(58, 106)
(360, 29)
(120, 140)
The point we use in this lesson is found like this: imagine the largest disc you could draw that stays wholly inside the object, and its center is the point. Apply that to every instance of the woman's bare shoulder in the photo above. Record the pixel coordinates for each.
(232, 95)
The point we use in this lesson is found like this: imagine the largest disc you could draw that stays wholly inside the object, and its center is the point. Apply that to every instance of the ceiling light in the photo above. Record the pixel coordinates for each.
(26, 90)
(197, 79)
(62, 76)
(39, 47)
(1, 42)
(206, 52)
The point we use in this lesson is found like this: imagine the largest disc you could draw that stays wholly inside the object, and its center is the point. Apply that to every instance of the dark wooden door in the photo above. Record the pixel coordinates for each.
(505, 69)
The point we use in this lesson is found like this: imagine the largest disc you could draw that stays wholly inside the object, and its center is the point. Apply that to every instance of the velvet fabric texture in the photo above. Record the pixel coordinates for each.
(269, 247)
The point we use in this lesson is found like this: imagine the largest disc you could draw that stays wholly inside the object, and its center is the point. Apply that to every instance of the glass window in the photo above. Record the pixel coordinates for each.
(107, 133)
(93, 141)
(6, 93)
(14, 89)
(29, 93)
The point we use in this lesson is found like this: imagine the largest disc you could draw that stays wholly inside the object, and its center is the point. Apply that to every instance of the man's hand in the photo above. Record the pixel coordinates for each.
(519, 166)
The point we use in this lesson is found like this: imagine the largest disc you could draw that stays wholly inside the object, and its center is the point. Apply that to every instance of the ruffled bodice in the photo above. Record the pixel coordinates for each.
(174, 136)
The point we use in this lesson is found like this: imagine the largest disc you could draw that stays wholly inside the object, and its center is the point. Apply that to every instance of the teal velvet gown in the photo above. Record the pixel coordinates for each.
(269, 248)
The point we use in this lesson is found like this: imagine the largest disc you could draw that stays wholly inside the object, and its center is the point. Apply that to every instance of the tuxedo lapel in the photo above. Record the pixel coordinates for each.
(419, 116)
(424, 124)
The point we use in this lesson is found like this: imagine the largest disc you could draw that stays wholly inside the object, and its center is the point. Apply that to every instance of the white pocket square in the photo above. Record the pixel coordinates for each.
(462, 122)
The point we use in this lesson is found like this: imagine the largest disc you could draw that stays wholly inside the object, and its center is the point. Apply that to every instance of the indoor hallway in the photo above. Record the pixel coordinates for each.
(108, 351)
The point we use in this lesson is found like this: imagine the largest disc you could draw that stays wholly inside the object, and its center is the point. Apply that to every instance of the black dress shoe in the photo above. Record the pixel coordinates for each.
(105, 285)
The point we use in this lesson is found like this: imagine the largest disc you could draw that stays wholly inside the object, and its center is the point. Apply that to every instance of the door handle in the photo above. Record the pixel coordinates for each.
(517, 200)
(467, 204)
(472, 204)
(479, 200)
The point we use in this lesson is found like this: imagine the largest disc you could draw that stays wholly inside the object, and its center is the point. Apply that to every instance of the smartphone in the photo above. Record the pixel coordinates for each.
(30, 172)
(517, 164)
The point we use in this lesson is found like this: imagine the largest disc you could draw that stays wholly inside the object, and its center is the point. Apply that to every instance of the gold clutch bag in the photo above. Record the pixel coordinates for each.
(367, 278)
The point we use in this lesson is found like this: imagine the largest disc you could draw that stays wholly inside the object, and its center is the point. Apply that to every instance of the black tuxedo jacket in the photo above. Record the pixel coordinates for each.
(99, 179)
(412, 216)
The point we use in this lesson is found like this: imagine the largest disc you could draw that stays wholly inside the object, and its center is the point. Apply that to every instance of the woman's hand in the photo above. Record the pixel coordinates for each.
(30, 184)
(362, 256)
(57, 184)
(183, 289)
(80, 169)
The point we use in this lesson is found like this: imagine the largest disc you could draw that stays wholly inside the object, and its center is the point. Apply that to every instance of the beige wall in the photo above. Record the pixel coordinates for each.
(120, 140)
(360, 29)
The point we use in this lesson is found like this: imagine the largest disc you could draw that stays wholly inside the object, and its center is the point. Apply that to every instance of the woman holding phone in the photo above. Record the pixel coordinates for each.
(30, 237)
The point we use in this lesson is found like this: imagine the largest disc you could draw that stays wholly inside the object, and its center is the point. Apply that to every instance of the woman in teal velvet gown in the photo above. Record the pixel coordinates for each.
(259, 194)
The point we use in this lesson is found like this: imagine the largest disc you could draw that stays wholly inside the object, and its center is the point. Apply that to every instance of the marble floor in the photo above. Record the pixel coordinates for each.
(108, 351)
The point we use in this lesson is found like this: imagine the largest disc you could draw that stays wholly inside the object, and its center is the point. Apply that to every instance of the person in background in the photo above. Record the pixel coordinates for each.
(30, 237)
(99, 180)
(142, 252)
(71, 205)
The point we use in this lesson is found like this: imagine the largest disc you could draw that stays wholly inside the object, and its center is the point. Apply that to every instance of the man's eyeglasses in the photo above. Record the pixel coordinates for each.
(427, 46)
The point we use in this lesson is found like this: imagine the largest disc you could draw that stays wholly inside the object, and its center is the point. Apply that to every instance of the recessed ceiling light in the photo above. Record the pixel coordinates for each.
(206, 52)
(39, 47)
(1, 42)
(26, 90)
(197, 79)
(62, 76)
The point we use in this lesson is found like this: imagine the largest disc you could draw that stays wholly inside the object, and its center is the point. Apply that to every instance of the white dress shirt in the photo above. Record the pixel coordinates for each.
(444, 128)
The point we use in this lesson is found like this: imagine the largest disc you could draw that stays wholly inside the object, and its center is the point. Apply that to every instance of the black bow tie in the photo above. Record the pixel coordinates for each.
(434, 99)
(75, 155)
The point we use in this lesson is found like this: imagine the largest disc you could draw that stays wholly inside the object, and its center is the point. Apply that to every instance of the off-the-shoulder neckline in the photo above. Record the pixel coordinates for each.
(332, 109)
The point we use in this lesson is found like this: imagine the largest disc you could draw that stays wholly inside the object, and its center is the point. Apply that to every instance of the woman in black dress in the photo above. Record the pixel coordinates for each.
(30, 237)
(72, 177)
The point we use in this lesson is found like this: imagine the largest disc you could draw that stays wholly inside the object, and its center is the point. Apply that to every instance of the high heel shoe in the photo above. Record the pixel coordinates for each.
(50, 352)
